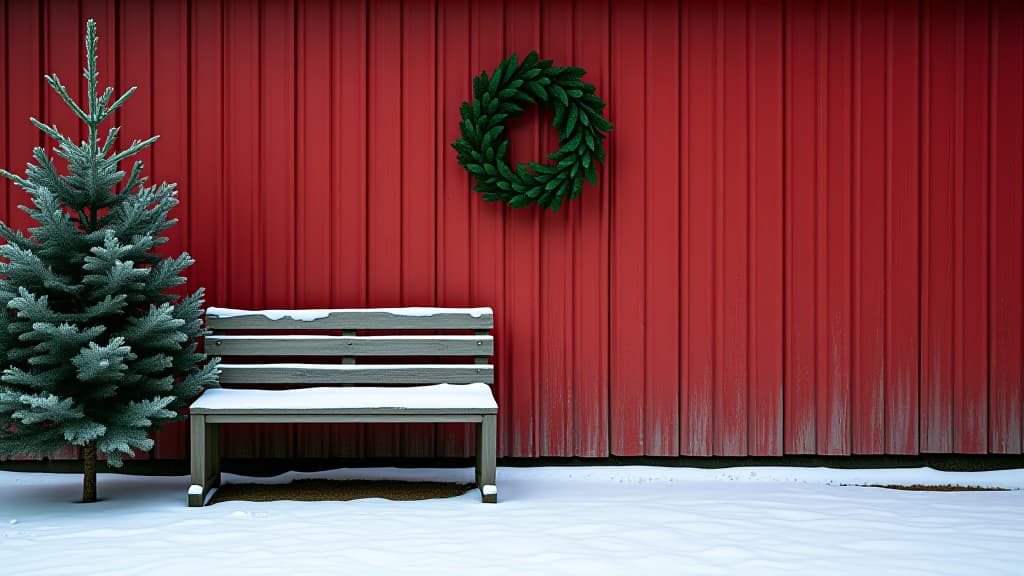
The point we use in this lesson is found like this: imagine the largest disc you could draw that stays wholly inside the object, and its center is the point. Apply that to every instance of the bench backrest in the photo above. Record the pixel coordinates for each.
(326, 345)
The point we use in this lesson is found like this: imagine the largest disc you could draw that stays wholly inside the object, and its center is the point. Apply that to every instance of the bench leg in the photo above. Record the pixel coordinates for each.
(205, 456)
(486, 456)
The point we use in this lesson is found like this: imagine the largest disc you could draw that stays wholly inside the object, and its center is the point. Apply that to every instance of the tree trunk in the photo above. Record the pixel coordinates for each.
(89, 487)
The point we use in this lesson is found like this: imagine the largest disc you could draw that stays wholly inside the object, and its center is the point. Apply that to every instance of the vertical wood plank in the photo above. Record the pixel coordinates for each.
(169, 79)
(554, 398)
(5, 185)
(869, 213)
(835, 209)
(24, 70)
(626, 103)
(938, 234)
(313, 154)
(733, 168)
(590, 338)
(1006, 234)
(801, 218)
(700, 96)
(766, 231)
(277, 151)
(902, 243)
(972, 209)
(242, 128)
(661, 233)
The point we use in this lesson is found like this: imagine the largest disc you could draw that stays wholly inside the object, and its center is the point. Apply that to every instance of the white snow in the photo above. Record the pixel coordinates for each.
(554, 520)
(456, 396)
(325, 338)
(308, 315)
(359, 367)
(428, 311)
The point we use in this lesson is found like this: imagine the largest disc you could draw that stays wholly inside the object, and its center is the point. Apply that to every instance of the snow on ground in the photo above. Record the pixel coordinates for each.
(551, 520)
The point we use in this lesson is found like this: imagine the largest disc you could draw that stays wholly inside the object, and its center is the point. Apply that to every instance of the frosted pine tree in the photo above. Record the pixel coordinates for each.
(96, 351)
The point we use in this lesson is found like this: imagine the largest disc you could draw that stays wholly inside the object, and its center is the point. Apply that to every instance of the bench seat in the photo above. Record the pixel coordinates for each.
(435, 399)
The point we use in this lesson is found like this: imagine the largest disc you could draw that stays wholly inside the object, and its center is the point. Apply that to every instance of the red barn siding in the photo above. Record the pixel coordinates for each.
(807, 238)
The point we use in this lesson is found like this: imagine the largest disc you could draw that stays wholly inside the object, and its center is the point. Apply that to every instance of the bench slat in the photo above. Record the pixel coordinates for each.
(382, 374)
(358, 319)
(292, 345)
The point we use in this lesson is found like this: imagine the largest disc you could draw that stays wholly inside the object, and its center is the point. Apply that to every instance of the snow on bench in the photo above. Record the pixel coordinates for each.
(401, 391)
(412, 400)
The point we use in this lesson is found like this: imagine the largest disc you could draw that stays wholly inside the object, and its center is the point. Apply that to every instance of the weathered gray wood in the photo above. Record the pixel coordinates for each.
(321, 418)
(212, 454)
(357, 319)
(483, 359)
(293, 345)
(479, 429)
(382, 374)
(205, 459)
(348, 359)
(486, 449)
(197, 452)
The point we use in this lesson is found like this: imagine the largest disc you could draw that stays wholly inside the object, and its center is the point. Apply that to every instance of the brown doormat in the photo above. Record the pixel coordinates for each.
(946, 488)
(312, 490)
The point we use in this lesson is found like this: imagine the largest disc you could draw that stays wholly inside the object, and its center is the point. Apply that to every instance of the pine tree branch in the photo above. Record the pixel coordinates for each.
(61, 91)
(102, 103)
(21, 182)
(91, 72)
(134, 149)
(133, 178)
(119, 102)
(51, 131)
(111, 138)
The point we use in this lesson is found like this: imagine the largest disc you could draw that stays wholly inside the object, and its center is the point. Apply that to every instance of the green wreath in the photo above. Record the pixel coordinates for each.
(483, 146)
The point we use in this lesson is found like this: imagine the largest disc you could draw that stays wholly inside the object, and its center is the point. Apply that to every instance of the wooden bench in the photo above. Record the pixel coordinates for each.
(399, 391)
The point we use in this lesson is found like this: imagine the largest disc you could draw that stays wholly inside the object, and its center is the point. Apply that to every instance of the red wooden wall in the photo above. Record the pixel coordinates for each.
(807, 239)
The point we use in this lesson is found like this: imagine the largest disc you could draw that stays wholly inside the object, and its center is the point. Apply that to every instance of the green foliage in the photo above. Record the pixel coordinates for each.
(483, 146)
(94, 345)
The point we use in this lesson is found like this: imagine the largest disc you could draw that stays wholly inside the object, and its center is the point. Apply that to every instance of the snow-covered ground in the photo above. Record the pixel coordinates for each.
(554, 520)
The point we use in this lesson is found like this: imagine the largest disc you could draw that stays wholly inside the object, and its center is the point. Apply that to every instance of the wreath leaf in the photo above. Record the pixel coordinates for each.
(570, 123)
